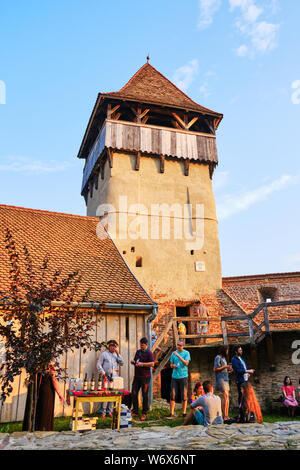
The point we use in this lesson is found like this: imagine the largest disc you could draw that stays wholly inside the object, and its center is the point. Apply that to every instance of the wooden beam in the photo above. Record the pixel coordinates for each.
(116, 116)
(138, 161)
(162, 163)
(224, 331)
(186, 166)
(110, 157)
(175, 124)
(191, 122)
(179, 120)
(102, 169)
(110, 110)
(145, 119)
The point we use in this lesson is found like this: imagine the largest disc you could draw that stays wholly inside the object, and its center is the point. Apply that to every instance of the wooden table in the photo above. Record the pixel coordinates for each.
(81, 397)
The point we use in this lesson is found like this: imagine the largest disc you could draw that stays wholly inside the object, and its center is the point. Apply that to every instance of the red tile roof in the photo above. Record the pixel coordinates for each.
(148, 85)
(72, 244)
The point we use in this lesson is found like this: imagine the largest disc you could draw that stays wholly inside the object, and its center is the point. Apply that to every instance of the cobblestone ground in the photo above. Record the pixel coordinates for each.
(236, 436)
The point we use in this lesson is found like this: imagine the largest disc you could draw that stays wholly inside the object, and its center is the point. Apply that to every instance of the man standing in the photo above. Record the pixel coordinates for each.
(221, 369)
(143, 361)
(180, 360)
(210, 404)
(201, 312)
(240, 370)
(108, 366)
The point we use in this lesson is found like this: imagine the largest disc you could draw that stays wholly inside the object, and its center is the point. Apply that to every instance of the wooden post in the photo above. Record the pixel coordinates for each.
(138, 159)
(224, 331)
(162, 163)
(254, 362)
(266, 318)
(270, 351)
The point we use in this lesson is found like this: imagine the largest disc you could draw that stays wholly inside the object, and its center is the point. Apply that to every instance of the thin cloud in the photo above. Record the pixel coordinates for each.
(261, 34)
(185, 75)
(24, 164)
(233, 203)
(208, 8)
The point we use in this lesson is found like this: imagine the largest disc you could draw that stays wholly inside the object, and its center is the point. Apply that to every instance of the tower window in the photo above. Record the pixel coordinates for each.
(139, 262)
(268, 294)
(192, 252)
(132, 249)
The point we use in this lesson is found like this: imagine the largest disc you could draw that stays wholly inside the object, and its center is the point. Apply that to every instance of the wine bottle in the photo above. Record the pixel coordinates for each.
(105, 384)
(85, 383)
(99, 382)
(93, 383)
(111, 383)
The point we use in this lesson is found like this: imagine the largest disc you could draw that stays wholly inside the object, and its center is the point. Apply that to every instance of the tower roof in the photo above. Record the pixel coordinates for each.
(148, 85)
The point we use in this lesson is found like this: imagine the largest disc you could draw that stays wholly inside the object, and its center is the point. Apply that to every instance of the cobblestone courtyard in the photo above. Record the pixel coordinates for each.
(281, 435)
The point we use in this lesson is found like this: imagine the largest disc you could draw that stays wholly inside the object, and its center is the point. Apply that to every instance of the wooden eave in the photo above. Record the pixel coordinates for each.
(95, 120)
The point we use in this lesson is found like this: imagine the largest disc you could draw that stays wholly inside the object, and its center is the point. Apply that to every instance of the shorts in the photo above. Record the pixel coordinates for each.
(222, 386)
(199, 418)
(179, 384)
(202, 327)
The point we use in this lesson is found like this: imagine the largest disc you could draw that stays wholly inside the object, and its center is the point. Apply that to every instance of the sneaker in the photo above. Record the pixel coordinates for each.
(183, 415)
(109, 415)
(170, 416)
(134, 415)
(102, 416)
(143, 417)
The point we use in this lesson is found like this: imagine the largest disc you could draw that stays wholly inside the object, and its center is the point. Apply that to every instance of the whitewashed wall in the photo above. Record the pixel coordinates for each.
(77, 364)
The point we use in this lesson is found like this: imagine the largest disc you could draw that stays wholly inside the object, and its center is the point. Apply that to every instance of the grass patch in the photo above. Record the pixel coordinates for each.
(155, 417)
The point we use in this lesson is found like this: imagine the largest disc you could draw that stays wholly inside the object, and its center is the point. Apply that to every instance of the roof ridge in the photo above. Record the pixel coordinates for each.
(9, 206)
(165, 78)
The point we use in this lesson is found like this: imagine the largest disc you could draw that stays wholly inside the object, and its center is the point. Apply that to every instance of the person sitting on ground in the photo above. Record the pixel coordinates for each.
(289, 395)
(249, 409)
(210, 411)
(198, 392)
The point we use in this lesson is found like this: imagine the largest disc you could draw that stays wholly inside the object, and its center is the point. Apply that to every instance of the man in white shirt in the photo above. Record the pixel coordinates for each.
(108, 366)
(210, 411)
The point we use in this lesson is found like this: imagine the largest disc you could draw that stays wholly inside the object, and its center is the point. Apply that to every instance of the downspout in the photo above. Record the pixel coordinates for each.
(149, 321)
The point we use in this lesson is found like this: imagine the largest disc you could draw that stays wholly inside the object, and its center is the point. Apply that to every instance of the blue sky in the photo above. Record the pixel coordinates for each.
(238, 57)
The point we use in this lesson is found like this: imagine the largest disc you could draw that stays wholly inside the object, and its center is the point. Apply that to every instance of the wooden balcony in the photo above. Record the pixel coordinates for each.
(152, 140)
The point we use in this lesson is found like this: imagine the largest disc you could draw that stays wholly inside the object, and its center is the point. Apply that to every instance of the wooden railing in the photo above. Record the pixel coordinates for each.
(253, 331)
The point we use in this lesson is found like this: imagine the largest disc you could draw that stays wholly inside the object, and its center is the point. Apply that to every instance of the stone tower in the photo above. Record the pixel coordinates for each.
(150, 153)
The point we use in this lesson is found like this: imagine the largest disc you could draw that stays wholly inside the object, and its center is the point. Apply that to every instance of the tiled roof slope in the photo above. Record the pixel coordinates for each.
(148, 85)
(73, 245)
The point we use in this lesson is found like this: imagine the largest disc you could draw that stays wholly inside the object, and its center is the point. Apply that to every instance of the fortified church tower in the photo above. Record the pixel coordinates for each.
(150, 154)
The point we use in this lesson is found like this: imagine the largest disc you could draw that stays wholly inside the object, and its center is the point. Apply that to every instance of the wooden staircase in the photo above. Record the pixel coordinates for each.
(253, 334)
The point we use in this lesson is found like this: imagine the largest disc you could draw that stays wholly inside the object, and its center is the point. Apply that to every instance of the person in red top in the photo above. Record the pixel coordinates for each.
(288, 391)
(143, 361)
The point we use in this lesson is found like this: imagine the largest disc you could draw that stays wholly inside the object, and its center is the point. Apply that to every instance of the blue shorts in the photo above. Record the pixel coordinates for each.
(199, 418)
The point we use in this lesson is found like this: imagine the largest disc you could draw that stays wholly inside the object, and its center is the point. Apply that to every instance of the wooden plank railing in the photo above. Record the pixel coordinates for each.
(253, 330)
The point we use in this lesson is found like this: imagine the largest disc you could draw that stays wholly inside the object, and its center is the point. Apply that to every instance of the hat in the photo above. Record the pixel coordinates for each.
(112, 341)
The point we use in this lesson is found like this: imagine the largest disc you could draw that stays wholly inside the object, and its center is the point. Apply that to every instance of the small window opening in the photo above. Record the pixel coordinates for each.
(132, 249)
(139, 262)
(192, 252)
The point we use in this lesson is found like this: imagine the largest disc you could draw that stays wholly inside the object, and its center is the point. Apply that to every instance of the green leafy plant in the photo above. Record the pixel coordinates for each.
(36, 331)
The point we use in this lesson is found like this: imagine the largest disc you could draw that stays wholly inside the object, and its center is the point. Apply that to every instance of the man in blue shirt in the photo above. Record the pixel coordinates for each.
(180, 360)
(240, 370)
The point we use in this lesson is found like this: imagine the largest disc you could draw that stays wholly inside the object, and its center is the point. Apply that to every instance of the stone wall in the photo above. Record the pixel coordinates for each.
(270, 382)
